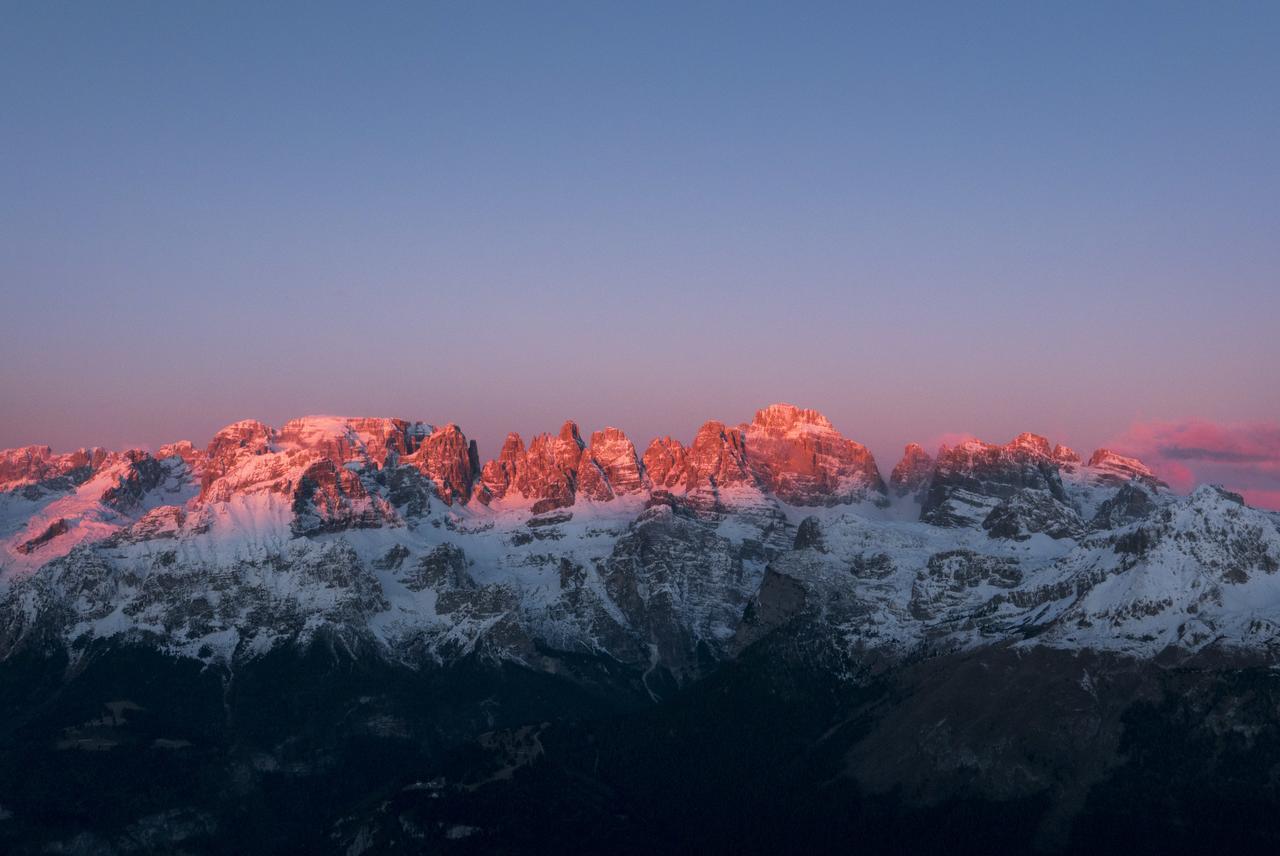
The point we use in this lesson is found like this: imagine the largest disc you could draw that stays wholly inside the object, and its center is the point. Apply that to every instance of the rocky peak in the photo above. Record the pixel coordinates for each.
(788, 417)
(569, 433)
(970, 479)
(499, 474)
(911, 474)
(799, 456)
(609, 466)
(546, 472)
(1111, 468)
(25, 464)
(718, 457)
(139, 474)
(183, 449)
(1065, 455)
(666, 463)
(368, 440)
(1030, 444)
(450, 461)
(33, 465)
(231, 446)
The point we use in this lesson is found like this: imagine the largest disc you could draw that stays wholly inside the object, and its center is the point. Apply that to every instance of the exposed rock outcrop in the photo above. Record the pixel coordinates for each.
(1111, 468)
(451, 463)
(970, 479)
(911, 474)
(800, 457)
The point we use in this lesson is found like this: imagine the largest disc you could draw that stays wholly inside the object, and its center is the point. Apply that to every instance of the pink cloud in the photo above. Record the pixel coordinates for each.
(1242, 457)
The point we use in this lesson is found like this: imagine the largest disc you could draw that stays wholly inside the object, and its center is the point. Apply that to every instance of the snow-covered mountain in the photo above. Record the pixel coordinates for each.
(392, 536)
(352, 636)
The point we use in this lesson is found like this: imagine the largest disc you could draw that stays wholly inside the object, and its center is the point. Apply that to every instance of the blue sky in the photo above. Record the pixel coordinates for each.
(918, 218)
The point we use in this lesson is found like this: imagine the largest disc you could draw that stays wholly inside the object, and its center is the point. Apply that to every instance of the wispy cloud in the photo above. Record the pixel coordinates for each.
(1243, 457)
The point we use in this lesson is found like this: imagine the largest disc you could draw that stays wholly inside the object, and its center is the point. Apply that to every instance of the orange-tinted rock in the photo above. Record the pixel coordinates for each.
(1066, 456)
(548, 474)
(329, 497)
(592, 484)
(231, 446)
(499, 474)
(545, 473)
(183, 449)
(800, 457)
(911, 474)
(717, 458)
(141, 475)
(1115, 469)
(343, 440)
(1030, 444)
(50, 532)
(450, 461)
(36, 464)
(666, 463)
(609, 466)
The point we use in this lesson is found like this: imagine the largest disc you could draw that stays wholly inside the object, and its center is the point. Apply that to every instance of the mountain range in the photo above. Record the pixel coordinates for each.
(751, 642)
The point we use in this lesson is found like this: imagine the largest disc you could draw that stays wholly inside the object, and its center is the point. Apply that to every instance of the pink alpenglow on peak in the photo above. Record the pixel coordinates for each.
(545, 474)
(717, 459)
(912, 472)
(450, 461)
(609, 467)
(1113, 468)
(1030, 443)
(801, 458)
(666, 464)
(326, 474)
(1067, 457)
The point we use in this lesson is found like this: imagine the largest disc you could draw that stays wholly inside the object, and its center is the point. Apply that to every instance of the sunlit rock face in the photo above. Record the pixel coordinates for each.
(609, 467)
(548, 475)
(37, 466)
(313, 470)
(1111, 468)
(545, 474)
(332, 498)
(346, 440)
(1066, 457)
(371, 569)
(666, 462)
(970, 479)
(499, 474)
(911, 474)
(450, 461)
(717, 459)
(800, 457)
(185, 451)
(230, 449)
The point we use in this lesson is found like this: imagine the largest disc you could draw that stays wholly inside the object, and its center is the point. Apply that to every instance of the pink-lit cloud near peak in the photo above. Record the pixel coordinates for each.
(1244, 457)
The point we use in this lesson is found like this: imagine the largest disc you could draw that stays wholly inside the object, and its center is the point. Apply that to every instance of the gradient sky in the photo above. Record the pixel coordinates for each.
(919, 218)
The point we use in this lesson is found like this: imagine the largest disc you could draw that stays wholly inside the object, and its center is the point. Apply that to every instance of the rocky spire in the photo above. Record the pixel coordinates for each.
(802, 459)
(609, 466)
(911, 474)
(449, 461)
(666, 463)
